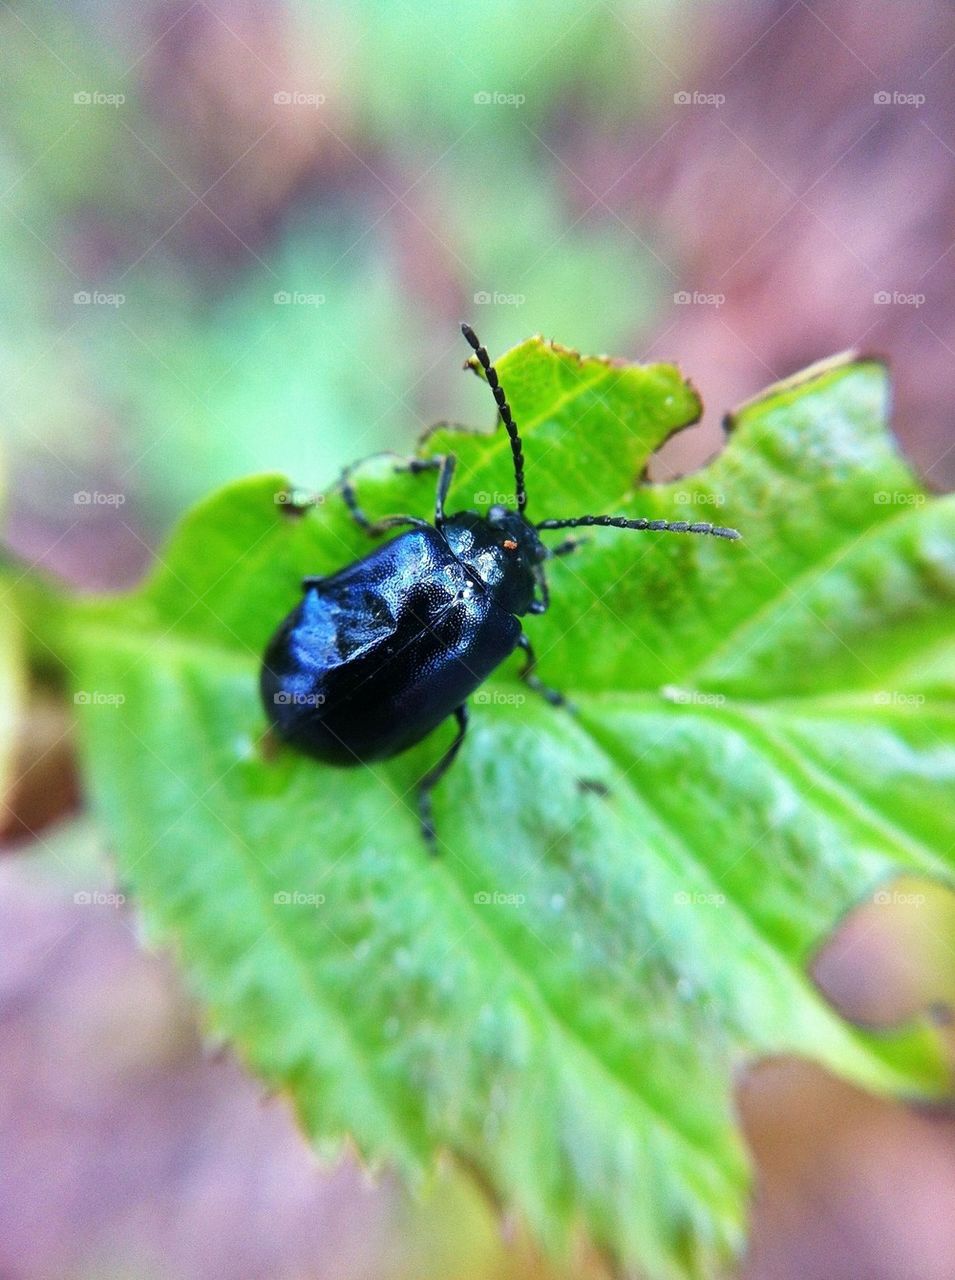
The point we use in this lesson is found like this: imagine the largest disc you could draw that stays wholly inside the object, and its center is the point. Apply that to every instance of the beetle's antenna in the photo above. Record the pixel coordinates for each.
(657, 526)
(505, 411)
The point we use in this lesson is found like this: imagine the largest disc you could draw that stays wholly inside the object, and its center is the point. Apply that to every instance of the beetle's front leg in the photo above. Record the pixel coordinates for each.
(444, 465)
(568, 546)
(357, 513)
(542, 603)
(434, 776)
(527, 674)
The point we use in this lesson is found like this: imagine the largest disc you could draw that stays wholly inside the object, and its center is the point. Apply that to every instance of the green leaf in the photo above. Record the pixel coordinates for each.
(628, 897)
(11, 703)
(12, 683)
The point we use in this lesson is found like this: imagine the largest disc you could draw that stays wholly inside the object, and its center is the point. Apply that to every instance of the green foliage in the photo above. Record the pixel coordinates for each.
(11, 697)
(628, 897)
(12, 685)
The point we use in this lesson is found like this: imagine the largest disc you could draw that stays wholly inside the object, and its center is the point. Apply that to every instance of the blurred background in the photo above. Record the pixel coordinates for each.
(238, 236)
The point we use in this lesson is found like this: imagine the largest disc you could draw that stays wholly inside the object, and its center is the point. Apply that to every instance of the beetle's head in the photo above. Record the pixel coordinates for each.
(519, 537)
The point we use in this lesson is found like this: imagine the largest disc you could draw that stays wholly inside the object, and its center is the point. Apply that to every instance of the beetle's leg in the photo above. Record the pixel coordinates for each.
(543, 604)
(415, 466)
(350, 499)
(313, 580)
(529, 677)
(445, 472)
(444, 465)
(564, 548)
(371, 527)
(567, 546)
(434, 776)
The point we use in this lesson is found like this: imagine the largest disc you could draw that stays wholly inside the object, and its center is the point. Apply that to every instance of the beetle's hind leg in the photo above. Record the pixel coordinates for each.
(434, 776)
(533, 681)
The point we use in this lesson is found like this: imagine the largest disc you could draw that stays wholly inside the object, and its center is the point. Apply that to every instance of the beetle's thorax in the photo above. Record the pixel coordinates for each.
(502, 551)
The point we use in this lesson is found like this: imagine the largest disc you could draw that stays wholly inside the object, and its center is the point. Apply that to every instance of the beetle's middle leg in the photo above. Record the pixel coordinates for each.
(533, 681)
(434, 776)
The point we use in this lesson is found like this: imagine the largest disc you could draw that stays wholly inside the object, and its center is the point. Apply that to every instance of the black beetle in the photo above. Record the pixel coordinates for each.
(380, 653)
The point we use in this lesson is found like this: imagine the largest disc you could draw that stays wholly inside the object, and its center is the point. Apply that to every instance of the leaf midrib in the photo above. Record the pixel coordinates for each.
(499, 440)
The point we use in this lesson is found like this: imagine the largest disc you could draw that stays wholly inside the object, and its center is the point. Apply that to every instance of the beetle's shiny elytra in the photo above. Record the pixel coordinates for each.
(380, 653)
